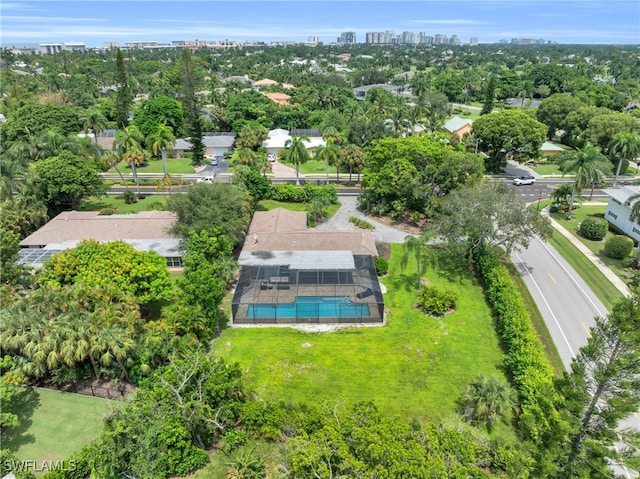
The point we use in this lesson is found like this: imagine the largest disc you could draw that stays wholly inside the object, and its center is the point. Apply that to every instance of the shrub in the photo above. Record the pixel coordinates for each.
(436, 302)
(303, 194)
(365, 225)
(594, 229)
(108, 210)
(129, 197)
(382, 265)
(618, 247)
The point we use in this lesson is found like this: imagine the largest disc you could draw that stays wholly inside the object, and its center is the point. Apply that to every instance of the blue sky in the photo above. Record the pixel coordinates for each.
(95, 21)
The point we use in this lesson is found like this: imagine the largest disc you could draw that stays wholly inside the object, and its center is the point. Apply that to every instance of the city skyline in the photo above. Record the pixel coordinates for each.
(98, 22)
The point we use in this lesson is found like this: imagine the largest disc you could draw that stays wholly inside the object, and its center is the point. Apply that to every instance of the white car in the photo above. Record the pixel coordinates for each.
(524, 180)
(272, 157)
(206, 179)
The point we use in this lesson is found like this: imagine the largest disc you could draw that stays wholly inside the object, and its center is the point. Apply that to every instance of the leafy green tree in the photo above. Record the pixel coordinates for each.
(33, 119)
(124, 96)
(95, 121)
(602, 128)
(142, 274)
(216, 205)
(250, 137)
(161, 141)
(160, 110)
(296, 153)
(62, 181)
(489, 96)
(588, 165)
(626, 146)
(490, 214)
(509, 134)
(488, 399)
(602, 388)
(553, 111)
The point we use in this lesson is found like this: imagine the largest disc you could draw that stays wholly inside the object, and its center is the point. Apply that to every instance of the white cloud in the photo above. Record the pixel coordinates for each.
(43, 19)
(453, 21)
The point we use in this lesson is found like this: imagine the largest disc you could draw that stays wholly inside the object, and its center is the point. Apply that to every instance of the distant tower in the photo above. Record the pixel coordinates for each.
(347, 38)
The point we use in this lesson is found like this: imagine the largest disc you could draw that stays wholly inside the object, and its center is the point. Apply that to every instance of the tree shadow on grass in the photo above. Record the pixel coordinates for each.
(26, 402)
(450, 264)
(402, 281)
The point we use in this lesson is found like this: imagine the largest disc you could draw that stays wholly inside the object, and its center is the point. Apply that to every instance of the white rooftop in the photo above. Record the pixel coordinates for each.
(299, 260)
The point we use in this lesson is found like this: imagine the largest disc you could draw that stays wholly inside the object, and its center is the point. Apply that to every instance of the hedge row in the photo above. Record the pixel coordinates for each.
(525, 359)
(303, 194)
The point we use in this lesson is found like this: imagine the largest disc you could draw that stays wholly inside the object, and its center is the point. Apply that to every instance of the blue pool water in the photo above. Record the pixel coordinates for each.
(311, 307)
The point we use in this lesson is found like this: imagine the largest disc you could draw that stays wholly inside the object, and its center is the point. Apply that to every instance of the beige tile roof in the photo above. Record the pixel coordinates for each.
(81, 225)
(265, 82)
(284, 230)
(280, 98)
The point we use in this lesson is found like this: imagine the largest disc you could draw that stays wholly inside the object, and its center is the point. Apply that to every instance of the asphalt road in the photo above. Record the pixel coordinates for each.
(566, 303)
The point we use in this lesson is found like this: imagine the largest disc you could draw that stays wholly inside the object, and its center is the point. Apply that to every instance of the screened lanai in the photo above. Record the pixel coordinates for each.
(333, 286)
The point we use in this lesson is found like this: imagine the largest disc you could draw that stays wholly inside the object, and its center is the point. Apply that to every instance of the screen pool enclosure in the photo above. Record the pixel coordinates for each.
(283, 294)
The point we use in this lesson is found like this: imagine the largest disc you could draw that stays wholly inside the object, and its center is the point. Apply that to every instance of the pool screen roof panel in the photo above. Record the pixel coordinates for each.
(300, 260)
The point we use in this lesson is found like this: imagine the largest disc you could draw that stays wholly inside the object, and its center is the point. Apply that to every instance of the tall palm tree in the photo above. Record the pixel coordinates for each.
(626, 146)
(329, 154)
(414, 115)
(416, 246)
(95, 121)
(588, 165)
(488, 399)
(161, 141)
(128, 144)
(245, 156)
(295, 152)
(353, 157)
(110, 160)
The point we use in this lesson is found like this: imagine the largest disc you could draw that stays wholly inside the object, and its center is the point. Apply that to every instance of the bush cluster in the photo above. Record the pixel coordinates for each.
(303, 194)
(365, 225)
(382, 265)
(618, 247)
(594, 229)
(436, 302)
(525, 358)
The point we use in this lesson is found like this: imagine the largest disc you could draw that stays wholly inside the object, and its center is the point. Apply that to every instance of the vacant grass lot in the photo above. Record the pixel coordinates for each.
(54, 424)
(414, 366)
(313, 167)
(96, 204)
(174, 165)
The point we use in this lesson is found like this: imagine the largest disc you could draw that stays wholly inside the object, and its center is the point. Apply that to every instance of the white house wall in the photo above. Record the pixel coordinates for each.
(618, 215)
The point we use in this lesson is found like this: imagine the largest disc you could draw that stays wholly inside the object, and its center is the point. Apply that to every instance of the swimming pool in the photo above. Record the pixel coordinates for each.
(311, 307)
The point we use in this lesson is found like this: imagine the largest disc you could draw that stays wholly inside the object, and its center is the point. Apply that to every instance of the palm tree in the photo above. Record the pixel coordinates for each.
(296, 153)
(588, 165)
(162, 141)
(353, 157)
(414, 115)
(329, 154)
(110, 160)
(399, 120)
(128, 144)
(95, 121)
(626, 146)
(417, 246)
(245, 156)
(488, 399)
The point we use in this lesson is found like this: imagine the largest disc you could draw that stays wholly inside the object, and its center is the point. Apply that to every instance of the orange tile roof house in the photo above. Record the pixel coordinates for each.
(290, 274)
(264, 82)
(459, 126)
(145, 231)
(279, 98)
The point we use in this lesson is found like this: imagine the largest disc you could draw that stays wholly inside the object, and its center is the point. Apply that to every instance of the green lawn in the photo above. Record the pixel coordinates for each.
(597, 247)
(547, 169)
(54, 424)
(267, 205)
(174, 165)
(313, 167)
(147, 203)
(414, 366)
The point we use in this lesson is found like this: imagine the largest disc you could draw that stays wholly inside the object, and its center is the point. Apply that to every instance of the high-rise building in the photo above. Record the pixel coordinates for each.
(473, 41)
(347, 37)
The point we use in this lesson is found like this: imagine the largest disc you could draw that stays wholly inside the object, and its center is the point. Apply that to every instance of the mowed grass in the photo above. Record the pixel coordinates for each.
(174, 165)
(268, 205)
(96, 204)
(54, 424)
(414, 366)
(313, 167)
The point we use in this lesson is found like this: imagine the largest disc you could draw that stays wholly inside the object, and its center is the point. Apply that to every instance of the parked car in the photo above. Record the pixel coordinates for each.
(524, 180)
(206, 179)
(214, 161)
(272, 157)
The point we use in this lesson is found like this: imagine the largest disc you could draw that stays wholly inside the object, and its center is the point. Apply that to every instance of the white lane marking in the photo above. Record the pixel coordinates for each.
(555, 319)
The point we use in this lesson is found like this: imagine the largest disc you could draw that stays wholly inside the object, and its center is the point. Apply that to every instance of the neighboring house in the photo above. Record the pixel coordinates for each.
(279, 98)
(289, 274)
(263, 83)
(216, 143)
(618, 211)
(549, 149)
(459, 126)
(145, 231)
(361, 91)
(278, 138)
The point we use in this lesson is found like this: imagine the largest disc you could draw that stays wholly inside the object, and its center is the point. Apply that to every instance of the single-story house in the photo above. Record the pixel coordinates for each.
(216, 143)
(459, 126)
(618, 212)
(278, 138)
(549, 149)
(264, 82)
(279, 98)
(145, 231)
(289, 274)
(361, 91)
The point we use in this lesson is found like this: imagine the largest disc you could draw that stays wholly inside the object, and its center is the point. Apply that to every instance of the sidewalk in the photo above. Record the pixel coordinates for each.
(611, 276)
